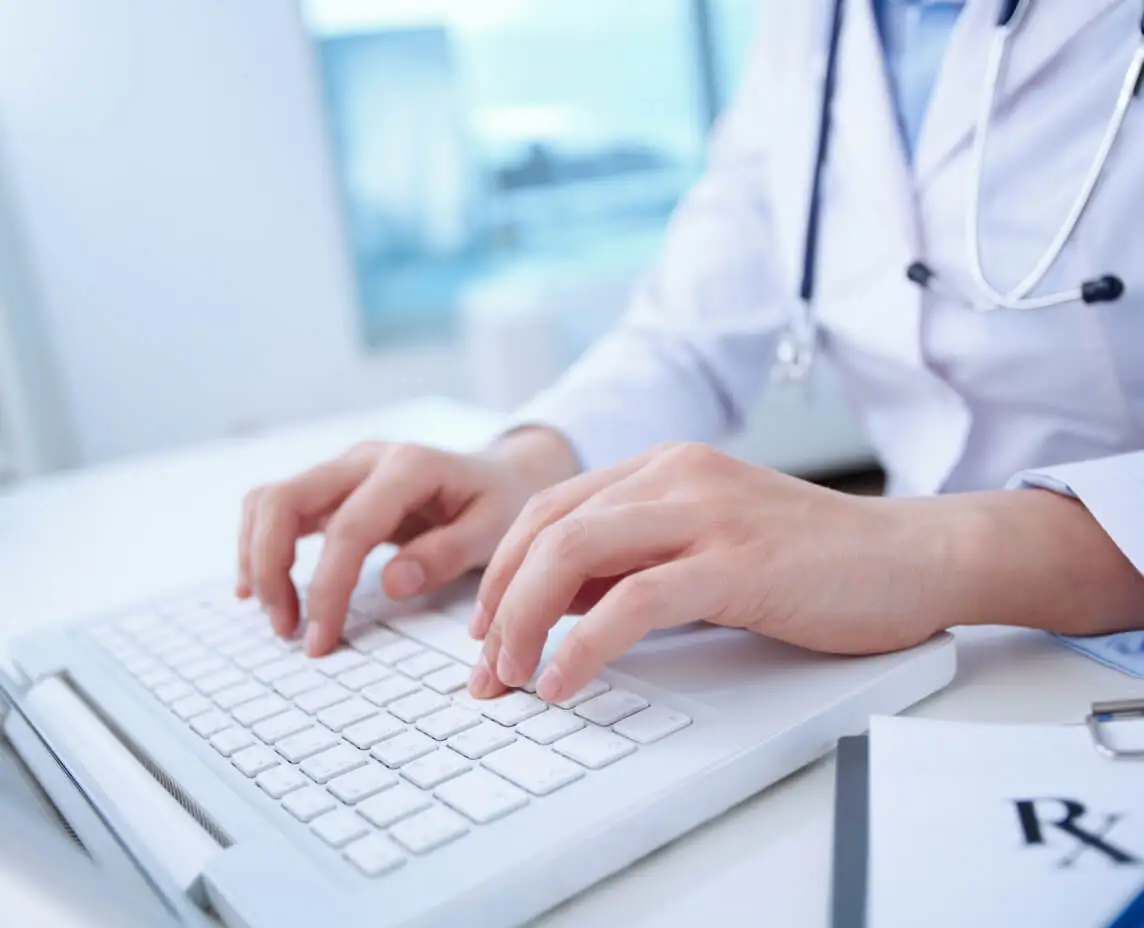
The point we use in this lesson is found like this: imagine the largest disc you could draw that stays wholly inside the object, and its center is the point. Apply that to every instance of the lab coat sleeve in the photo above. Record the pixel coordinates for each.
(695, 346)
(1112, 489)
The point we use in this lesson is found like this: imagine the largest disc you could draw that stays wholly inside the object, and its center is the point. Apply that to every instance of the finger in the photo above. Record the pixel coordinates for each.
(641, 485)
(579, 548)
(441, 555)
(244, 585)
(283, 514)
(541, 511)
(404, 481)
(665, 596)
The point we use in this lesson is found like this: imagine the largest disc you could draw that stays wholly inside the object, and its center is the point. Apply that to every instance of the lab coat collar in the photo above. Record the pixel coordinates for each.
(950, 120)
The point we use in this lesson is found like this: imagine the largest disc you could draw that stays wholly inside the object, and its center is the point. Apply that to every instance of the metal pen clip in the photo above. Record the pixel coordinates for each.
(1104, 713)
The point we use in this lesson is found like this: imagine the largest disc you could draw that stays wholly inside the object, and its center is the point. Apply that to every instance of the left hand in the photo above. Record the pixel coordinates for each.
(686, 533)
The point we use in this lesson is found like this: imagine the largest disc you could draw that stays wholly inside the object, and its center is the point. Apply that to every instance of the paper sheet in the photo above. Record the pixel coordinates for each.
(1000, 825)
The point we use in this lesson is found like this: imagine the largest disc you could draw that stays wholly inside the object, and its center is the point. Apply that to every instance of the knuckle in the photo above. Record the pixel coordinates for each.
(692, 455)
(366, 450)
(354, 530)
(541, 507)
(564, 540)
(640, 597)
(250, 500)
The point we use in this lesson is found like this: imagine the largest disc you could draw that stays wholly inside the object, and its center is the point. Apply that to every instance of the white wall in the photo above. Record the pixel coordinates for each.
(169, 163)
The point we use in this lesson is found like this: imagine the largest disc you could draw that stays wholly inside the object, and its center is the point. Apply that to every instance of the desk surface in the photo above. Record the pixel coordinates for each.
(101, 539)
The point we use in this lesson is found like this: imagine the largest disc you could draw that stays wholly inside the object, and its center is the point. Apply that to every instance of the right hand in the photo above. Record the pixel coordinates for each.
(445, 512)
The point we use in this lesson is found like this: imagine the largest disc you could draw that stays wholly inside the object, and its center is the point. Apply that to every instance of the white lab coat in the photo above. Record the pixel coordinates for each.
(952, 399)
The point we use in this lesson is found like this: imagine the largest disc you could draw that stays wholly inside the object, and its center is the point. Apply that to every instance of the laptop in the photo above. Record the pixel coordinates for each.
(212, 774)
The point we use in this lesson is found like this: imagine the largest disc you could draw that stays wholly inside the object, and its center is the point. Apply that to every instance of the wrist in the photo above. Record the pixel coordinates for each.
(540, 457)
(1036, 559)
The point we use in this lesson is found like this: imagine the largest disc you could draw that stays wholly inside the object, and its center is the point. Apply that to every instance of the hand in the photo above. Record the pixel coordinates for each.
(686, 533)
(446, 512)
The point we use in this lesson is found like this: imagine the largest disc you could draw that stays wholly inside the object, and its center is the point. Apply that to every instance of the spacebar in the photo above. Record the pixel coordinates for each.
(441, 634)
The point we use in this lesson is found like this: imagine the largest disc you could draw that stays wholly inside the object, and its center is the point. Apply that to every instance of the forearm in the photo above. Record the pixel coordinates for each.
(1036, 559)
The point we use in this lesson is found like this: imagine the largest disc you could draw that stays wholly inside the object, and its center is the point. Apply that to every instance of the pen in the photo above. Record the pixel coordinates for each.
(1133, 914)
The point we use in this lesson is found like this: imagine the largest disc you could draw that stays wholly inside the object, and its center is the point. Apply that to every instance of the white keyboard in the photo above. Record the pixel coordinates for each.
(377, 747)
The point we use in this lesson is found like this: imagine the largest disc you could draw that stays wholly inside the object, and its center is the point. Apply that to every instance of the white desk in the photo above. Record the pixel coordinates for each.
(105, 538)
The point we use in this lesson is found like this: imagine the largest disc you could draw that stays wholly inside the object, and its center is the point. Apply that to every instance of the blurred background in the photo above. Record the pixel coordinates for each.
(219, 217)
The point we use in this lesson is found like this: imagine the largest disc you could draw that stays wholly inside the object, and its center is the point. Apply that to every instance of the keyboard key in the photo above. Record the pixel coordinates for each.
(168, 693)
(361, 677)
(482, 796)
(344, 714)
(219, 680)
(333, 763)
(324, 697)
(403, 748)
(361, 783)
(237, 695)
(398, 651)
(307, 804)
(278, 781)
(139, 621)
(448, 679)
(156, 678)
(240, 645)
(339, 662)
(306, 744)
(256, 657)
(368, 733)
(387, 691)
(210, 723)
(190, 706)
(253, 760)
(277, 727)
(448, 722)
(256, 710)
(652, 724)
(609, 708)
(374, 855)
(594, 747)
(533, 768)
(179, 655)
(435, 768)
(512, 708)
(418, 705)
(590, 691)
(550, 726)
(339, 828)
(426, 831)
(422, 664)
(196, 670)
(283, 667)
(369, 638)
(296, 684)
(393, 805)
(230, 740)
(481, 740)
(441, 634)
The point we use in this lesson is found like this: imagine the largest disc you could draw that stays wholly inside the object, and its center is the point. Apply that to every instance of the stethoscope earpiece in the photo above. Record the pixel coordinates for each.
(1107, 289)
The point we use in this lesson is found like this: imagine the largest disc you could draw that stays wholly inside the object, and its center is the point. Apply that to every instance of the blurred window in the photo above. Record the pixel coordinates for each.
(481, 141)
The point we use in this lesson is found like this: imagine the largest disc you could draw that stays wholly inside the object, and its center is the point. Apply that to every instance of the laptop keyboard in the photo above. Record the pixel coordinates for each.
(377, 748)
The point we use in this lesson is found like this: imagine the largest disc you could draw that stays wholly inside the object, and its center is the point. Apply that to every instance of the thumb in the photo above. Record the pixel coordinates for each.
(443, 554)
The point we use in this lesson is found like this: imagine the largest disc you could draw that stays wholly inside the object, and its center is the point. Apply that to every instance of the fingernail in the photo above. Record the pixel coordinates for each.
(508, 669)
(477, 622)
(242, 591)
(550, 684)
(311, 639)
(480, 679)
(406, 579)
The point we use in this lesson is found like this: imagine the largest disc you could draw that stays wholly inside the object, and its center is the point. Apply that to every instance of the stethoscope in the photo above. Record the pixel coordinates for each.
(797, 347)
